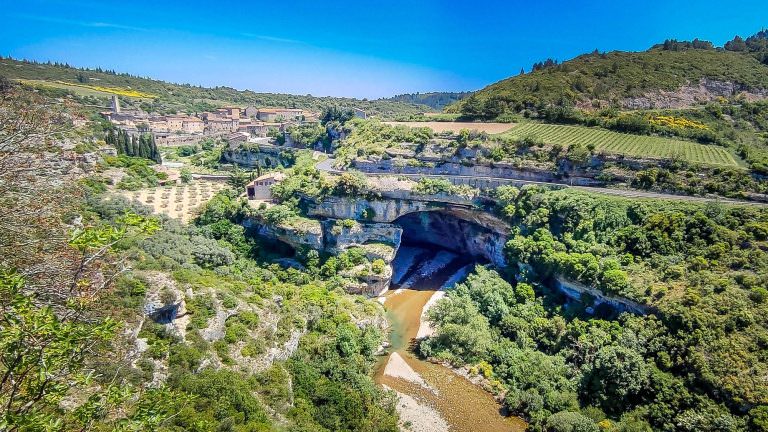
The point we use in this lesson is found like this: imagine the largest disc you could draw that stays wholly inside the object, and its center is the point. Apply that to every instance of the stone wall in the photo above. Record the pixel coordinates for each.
(480, 174)
(575, 290)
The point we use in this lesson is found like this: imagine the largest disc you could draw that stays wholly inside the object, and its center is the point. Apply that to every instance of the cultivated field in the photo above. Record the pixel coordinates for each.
(179, 202)
(89, 90)
(626, 144)
(491, 128)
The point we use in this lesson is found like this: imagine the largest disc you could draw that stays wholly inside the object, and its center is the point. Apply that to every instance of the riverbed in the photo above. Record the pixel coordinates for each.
(432, 397)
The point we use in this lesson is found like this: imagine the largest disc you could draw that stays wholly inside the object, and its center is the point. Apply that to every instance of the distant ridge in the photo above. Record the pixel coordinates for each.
(434, 100)
(629, 80)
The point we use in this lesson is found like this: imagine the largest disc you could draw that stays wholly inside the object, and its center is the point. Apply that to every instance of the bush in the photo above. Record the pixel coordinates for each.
(566, 421)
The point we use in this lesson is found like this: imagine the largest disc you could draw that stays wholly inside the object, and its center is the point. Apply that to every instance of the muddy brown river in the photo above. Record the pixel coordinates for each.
(439, 398)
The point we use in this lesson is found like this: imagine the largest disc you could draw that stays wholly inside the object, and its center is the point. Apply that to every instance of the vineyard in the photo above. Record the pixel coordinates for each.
(626, 144)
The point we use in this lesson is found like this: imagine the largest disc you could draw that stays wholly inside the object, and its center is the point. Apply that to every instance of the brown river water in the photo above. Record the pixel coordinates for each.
(463, 405)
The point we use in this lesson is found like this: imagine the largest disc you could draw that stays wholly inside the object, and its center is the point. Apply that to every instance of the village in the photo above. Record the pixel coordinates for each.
(235, 124)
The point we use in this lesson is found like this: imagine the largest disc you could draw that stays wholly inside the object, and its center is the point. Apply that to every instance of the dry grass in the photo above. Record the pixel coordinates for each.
(179, 202)
(491, 128)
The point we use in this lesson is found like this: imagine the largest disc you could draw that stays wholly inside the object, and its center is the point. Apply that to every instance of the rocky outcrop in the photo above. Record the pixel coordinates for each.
(368, 283)
(165, 303)
(339, 237)
(379, 240)
(575, 291)
(467, 233)
(379, 225)
(263, 155)
(452, 222)
(304, 234)
(376, 210)
(470, 171)
(706, 90)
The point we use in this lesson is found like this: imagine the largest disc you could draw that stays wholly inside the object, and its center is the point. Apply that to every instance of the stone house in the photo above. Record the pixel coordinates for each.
(237, 138)
(192, 125)
(230, 112)
(260, 188)
(272, 114)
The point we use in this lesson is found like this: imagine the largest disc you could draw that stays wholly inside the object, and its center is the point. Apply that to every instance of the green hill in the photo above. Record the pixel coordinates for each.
(617, 79)
(95, 86)
(434, 100)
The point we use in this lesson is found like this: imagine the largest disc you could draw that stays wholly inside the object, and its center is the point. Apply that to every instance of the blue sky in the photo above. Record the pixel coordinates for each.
(361, 49)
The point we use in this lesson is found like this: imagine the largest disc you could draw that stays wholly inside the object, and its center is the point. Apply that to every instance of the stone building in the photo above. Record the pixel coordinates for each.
(272, 114)
(260, 188)
(230, 112)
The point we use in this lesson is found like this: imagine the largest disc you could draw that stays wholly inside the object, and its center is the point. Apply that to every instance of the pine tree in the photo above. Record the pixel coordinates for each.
(110, 139)
(155, 151)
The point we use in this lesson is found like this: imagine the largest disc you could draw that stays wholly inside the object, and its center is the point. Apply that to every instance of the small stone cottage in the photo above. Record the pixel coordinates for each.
(259, 189)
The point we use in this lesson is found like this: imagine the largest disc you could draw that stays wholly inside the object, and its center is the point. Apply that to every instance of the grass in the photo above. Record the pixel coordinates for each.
(625, 144)
(89, 90)
(80, 91)
(113, 90)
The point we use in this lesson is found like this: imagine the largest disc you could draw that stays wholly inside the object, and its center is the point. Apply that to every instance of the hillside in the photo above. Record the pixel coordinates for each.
(434, 100)
(167, 97)
(670, 75)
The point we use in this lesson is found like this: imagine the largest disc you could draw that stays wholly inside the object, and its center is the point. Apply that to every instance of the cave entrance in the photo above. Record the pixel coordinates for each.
(437, 249)
(274, 250)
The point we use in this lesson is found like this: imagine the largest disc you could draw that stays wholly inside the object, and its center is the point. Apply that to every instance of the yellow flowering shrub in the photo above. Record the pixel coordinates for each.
(114, 90)
(676, 122)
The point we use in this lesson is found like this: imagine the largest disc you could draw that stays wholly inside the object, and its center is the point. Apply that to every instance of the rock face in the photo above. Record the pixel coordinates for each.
(164, 301)
(380, 225)
(575, 290)
(471, 174)
(704, 91)
(379, 240)
(339, 237)
(296, 237)
(264, 155)
(461, 236)
(366, 210)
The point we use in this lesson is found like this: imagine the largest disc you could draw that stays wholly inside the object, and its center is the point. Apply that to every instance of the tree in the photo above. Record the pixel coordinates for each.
(736, 44)
(566, 421)
(44, 341)
(237, 179)
(617, 375)
(185, 176)
(463, 334)
(351, 184)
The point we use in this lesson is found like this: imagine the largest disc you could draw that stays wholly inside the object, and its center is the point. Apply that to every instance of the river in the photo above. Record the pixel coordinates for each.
(432, 397)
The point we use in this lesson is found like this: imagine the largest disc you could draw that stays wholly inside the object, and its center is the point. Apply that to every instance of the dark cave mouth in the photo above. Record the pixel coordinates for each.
(437, 249)
(436, 230)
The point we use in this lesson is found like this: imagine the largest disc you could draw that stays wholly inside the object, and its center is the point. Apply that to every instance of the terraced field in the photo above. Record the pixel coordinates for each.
(626, 144)
(177, 201)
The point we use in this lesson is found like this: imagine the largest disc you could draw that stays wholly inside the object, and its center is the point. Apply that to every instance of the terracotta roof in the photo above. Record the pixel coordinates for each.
(276, 176)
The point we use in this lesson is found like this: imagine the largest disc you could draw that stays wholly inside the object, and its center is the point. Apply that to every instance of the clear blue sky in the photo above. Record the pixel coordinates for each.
(363, 48)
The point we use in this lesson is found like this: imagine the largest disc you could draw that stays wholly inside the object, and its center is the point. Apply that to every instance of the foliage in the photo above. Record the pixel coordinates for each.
(169, 98)
(434, 100)
(143, 146)
(612, 77)
(694, 268)
(428, 186)
(625, 144)
(138, 172)
(372, 137)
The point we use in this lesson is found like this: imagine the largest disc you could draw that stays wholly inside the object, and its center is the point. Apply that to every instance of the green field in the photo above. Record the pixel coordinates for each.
(626, 144)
